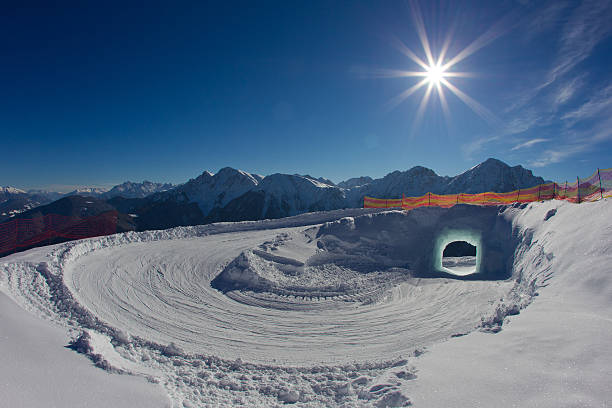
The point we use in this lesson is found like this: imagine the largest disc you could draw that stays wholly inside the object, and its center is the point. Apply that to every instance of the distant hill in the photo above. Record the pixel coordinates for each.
(355, 182)
(14, 201)
(87, 191)
(67, 218)
(136, 190)
(490, 175)
(235, 195)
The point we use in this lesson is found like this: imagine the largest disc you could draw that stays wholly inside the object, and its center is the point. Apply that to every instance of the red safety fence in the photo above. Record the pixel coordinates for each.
(23, 233)
(592, 188)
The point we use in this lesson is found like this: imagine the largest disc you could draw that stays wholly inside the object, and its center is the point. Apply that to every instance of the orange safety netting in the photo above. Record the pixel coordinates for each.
(595, 187)
(382, 203)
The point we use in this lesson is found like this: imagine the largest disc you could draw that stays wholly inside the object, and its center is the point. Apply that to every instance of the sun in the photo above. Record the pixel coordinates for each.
(435, 74)
(436, 70)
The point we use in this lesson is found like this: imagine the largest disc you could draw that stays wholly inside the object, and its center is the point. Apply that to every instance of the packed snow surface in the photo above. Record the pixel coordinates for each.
(339, 308)
(460, 265)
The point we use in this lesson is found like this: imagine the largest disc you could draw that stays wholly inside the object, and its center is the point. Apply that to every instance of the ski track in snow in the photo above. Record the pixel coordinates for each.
(161, 291)
(301, 319)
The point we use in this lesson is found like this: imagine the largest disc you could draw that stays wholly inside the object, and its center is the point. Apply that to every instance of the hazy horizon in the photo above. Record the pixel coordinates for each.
(59, 188)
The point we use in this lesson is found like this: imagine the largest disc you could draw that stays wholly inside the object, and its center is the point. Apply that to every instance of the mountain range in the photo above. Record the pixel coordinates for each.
(281, 195)
(14, 201)
(235, 195)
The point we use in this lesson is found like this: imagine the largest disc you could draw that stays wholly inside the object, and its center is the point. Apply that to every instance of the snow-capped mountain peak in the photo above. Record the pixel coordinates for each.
(93, 191)
(210, 190)
(11, 190)
(233, 194)
(492, 175)
(229, 175)
(137, 190)
(355, 182)
(280, 195)
(10, 193)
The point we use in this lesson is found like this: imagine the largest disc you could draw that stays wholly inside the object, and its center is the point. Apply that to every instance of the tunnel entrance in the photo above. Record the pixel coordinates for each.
(459, 258)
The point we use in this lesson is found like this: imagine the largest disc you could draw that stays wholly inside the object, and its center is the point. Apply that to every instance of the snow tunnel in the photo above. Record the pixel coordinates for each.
(460, 257)
(415, 240)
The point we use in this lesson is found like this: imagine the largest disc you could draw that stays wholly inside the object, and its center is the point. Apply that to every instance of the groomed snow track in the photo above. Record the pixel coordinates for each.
(318, 310)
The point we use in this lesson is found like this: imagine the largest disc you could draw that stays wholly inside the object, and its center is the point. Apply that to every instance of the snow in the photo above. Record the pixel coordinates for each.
(296, 194)
(558, 351)
(37, 371)
(237, 194)
(491, 175)
(137, 190)
(339, 308)
(355, 182)
(11, 190)
(460, 265)
(214, 190)
(92, 191)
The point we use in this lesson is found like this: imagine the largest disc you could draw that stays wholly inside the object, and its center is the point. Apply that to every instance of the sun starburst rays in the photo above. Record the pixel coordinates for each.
(404, 95)
(436, 72)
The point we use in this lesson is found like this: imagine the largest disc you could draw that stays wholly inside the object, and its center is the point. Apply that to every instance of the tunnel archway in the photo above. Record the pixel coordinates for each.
(464, 255)
(459, 257)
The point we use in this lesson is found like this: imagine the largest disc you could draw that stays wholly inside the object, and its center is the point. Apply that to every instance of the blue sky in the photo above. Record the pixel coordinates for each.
(99, 93)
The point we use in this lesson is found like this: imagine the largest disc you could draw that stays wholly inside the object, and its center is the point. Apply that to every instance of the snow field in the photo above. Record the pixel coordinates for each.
(327, 309)
(557, 353)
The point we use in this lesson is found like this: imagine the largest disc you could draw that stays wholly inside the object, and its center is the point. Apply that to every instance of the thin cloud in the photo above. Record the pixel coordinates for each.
(545, 102)
(524, 122)
(602, 133)
(578, 142)
(529, 143)
(515, 126)
(545, 19)
(588, 25)
(558, 155)
(599, 103)
(566, 91)
(476, 145)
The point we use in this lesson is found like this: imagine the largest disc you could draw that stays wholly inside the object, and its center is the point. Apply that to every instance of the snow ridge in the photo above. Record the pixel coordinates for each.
(137, 190)
(213, 190)
(11, 190)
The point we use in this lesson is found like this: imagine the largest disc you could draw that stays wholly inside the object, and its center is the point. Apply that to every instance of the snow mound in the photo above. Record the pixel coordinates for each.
(293, 266)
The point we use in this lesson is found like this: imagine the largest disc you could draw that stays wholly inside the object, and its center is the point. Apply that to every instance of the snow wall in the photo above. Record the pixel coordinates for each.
(415, 239)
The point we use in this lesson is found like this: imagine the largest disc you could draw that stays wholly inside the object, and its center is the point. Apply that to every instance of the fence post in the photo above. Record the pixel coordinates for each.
(457, 199)
(16, 233)
(554, 189)
(429, 198)
(539, 187)
(565, 192)
(600, 188)
(518, 195)
(578, 188)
